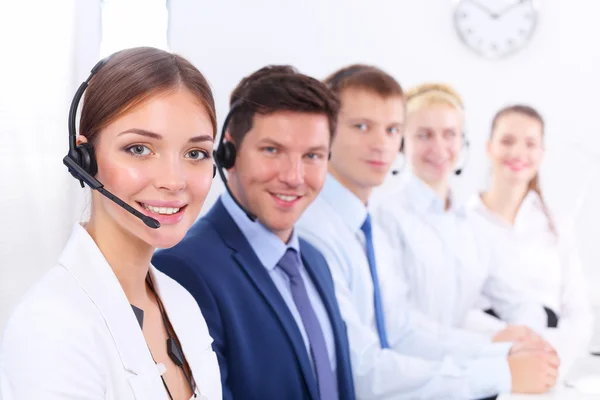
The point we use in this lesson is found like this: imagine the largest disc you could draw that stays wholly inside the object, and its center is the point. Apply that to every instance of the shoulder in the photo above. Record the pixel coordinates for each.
(201, 246)
(54, 321)
(56, 298)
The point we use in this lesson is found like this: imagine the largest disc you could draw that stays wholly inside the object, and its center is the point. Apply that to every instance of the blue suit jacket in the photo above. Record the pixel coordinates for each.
(259, 347)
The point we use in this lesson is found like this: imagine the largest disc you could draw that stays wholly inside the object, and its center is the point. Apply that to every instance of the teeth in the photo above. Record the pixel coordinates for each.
(161, 210)
(286, 198)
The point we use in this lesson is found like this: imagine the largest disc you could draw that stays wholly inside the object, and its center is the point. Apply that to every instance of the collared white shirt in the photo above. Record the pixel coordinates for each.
(425, 361)
(547, 263)
(445, 265)
(74, 335)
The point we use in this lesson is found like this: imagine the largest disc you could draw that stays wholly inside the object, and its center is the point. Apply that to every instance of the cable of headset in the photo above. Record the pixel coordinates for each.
(173, 347)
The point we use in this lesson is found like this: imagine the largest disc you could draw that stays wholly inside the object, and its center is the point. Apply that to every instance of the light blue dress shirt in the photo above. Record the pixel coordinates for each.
(269, 249)
(426, 360)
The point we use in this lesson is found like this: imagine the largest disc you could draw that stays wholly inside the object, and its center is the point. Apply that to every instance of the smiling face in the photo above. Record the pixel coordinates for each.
(280, 167)
(367, 139)
(515, 148)
(433, 141)
(156, 158)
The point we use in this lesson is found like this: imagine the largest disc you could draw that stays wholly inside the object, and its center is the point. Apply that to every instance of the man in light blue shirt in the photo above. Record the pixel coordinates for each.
(397, 353)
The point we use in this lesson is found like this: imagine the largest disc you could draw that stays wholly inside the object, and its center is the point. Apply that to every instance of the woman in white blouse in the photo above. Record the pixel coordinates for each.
(445, 266)
(540, 244)
(103, 323)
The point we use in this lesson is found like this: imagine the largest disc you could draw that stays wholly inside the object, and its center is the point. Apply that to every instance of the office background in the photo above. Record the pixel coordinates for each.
(48, 48)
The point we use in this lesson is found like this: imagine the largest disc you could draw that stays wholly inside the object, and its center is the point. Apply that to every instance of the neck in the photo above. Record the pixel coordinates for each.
(127, 255)
(441, 189)
(363, 193)
(504, 199)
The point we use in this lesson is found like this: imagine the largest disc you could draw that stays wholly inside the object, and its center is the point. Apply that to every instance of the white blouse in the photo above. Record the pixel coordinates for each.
(547, 263)
(445, 266)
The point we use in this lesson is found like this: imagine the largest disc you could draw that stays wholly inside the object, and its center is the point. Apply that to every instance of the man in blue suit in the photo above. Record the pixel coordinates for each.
(268, 296)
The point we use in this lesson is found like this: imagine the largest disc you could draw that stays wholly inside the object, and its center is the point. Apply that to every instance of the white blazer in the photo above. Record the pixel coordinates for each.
(74, 336)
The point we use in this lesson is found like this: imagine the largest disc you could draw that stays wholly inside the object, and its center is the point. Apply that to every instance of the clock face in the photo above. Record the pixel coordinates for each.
(495, 28)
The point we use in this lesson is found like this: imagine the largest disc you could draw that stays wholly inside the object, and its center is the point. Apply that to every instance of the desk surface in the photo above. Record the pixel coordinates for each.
(582, 367)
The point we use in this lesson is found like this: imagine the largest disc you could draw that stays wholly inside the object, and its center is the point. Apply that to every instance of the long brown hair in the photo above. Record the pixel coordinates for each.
(132, 76)
(534, 183)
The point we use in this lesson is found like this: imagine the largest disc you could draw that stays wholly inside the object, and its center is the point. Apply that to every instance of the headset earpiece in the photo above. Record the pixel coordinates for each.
(86, 158)
(225, 155)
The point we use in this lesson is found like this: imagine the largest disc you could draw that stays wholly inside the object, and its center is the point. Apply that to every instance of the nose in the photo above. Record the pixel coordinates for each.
(171, 175)
(439, 145)
(292, 172)
(379, 140)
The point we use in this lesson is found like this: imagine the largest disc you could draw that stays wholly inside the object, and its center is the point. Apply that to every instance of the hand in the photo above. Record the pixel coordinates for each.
(532, 371)
(515, 333)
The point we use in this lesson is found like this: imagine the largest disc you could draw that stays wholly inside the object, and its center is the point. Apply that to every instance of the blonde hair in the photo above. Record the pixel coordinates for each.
(427, 94)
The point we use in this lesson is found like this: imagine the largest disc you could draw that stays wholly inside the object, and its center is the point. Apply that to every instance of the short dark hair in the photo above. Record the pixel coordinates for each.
(278, 88)
(367, 77)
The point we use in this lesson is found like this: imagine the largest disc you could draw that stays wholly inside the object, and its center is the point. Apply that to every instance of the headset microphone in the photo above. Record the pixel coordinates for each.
(81, 159)
(459, 170)
(224, 157)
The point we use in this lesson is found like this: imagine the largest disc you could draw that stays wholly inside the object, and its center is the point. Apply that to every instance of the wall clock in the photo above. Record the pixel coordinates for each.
(495, 28)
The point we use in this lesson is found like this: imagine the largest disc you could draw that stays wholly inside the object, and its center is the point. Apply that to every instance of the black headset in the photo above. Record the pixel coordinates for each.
(81, 159)
(225, 155)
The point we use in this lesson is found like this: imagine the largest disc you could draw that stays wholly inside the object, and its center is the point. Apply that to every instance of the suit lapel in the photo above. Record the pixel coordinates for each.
(249, 263)
(83, 259)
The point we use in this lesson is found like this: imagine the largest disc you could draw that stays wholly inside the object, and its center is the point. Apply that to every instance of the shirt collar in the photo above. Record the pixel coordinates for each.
(268, 247)
(344, 202)
(531, 201)
(424, 198)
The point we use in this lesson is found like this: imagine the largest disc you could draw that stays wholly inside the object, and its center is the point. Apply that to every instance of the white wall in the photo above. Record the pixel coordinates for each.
(42, 62)
(44, 58)
(415, 41)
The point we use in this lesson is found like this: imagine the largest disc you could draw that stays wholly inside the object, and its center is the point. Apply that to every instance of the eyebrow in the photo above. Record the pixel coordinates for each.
(153, 135)
(277, 144)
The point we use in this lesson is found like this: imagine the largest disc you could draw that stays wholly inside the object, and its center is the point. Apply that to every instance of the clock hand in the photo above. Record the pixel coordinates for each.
(510, 7)
(483, 8)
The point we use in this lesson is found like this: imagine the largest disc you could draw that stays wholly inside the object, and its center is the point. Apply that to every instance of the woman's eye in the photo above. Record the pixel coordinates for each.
(139, 150)
(270, 149)
(361, 127)
(197, 155)
(393, 130)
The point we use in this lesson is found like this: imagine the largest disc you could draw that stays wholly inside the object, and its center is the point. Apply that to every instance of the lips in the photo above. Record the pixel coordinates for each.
(376, 163)
(517, 165)
(285, 200)
(164, 212)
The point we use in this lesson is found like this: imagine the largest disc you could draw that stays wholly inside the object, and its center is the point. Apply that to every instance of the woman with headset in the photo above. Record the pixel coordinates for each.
(444, 265)
(104, 323)
(540, 244)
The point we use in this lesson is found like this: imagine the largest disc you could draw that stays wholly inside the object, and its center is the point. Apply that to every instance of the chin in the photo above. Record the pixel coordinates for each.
(165, 241)
(280, 223)
(165, 237)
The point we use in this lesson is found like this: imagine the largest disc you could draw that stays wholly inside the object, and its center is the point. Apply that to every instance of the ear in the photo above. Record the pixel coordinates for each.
(488, 147)
(228, 137)
(81, 139)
